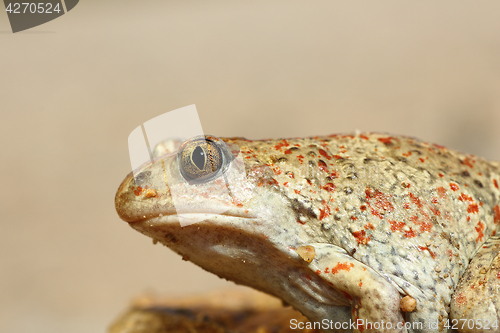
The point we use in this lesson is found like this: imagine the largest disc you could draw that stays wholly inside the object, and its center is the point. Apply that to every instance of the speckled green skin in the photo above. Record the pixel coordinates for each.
(388, 217)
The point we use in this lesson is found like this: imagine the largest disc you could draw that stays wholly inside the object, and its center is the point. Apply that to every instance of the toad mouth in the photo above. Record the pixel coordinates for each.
(162, 219)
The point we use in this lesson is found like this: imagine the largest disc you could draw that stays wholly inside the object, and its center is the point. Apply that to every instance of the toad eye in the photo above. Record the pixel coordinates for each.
(200, 160)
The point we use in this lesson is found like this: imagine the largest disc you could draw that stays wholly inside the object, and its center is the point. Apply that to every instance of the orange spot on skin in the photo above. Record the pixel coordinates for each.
(286, 184)
(324, 154)
(496, 211)
(416, 200)
(480, 229)
(468, 162)
(386, 141)
(138, 191)
(380, 202)
(284, 143)
(150, 193)
(454, 187)
(329, 187)
(397, 226)
(297, 191)
(334, 175)
(421, 159)
(407, 154)
(363, 207)
(425, 226)
(495, 183)
(369, 226)
(361, 237)
(461, 299)
(465, 197)
(323, 213)
(360, 284)
(435, 211)
(318, 271)
(342, 267)
(441, 175)
(422, 248)
(434, 200)
(237, 203)
(288, 151)
(327, 270)
(354, 218)
(442, 192)
(364, 137)
(472, 209)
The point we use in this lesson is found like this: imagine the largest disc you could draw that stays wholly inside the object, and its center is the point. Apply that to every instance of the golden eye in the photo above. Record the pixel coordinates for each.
(200, 160)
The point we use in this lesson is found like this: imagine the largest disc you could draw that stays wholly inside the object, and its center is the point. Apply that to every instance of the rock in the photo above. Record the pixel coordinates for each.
(238, 310)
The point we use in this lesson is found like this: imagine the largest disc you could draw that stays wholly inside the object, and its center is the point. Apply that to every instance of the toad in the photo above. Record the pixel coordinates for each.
(359, 232)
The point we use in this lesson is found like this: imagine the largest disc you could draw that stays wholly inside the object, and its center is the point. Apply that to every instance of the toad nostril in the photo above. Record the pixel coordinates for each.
(143, 177)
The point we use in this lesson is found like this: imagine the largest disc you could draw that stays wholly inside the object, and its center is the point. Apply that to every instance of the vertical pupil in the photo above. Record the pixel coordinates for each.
(198, 158)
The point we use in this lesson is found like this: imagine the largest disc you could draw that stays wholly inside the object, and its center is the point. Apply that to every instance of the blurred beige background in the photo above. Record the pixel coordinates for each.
(72, 90)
